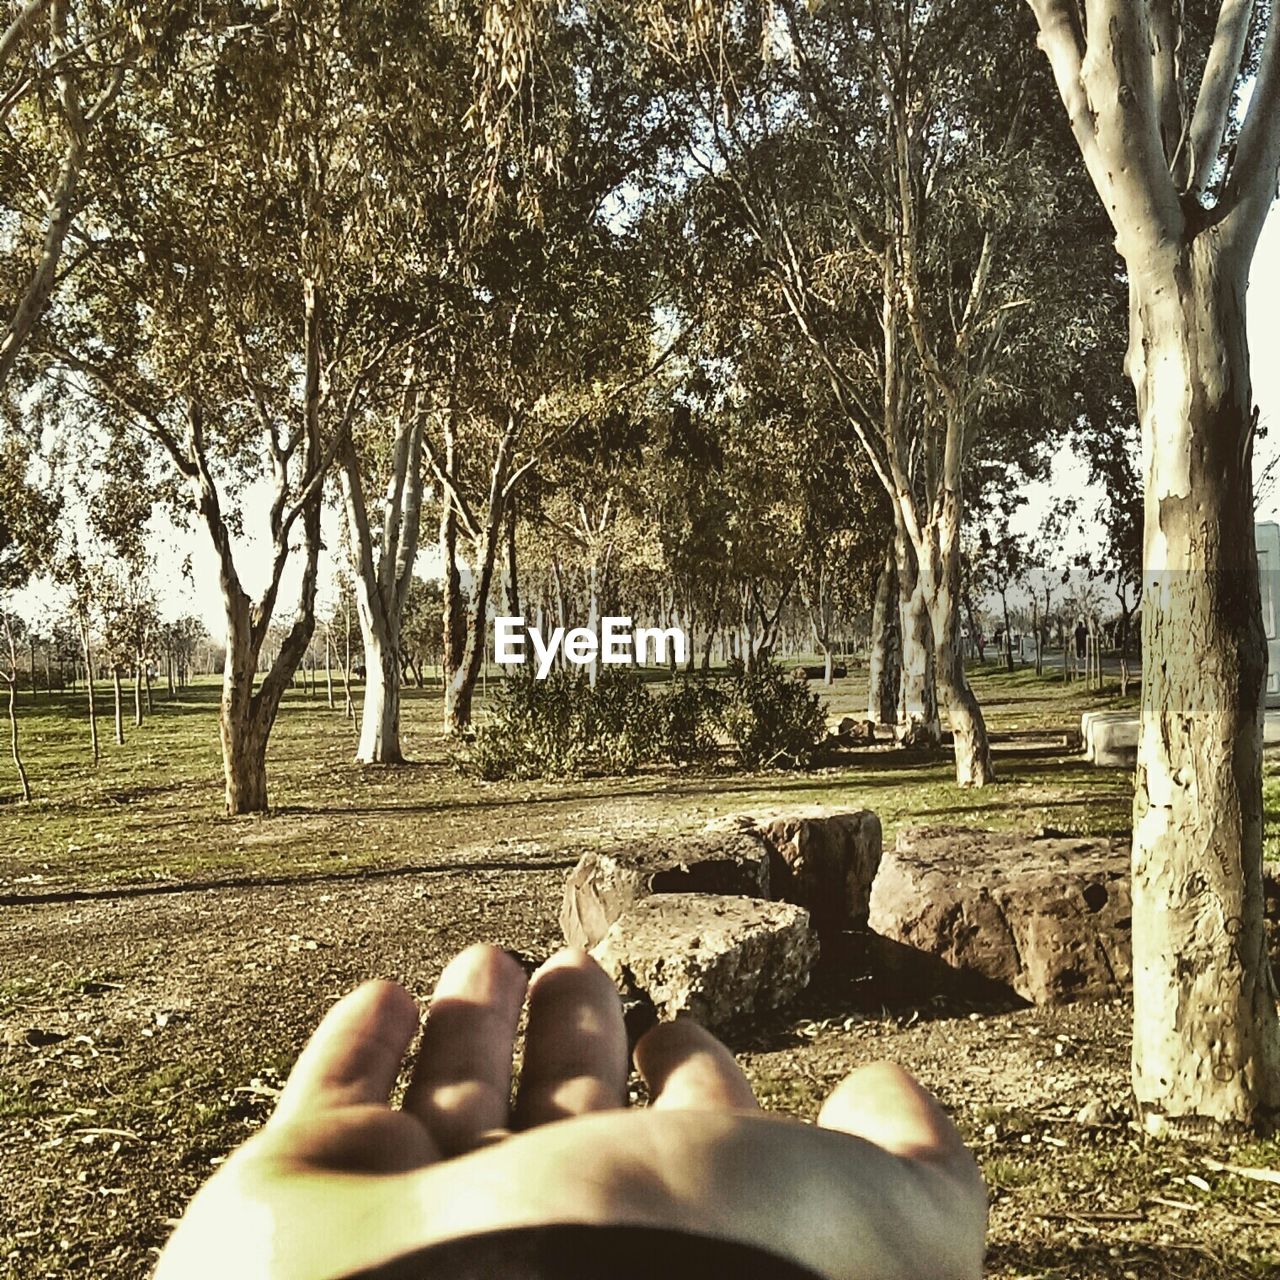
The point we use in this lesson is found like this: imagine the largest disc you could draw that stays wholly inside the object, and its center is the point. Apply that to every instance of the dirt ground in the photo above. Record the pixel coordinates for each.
(145, 1030)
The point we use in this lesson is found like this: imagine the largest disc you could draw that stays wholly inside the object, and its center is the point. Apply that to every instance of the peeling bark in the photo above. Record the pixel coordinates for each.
(1206, 1041)
(917, 718)
(885, 657)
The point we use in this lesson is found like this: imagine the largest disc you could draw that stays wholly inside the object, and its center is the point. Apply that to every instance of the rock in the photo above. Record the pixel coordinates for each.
(1096, 1114)
(1047, 919)
(712, 957)
(824, 862)
(731, 858)
(856, 733)
(1110, 738)
(818, 671)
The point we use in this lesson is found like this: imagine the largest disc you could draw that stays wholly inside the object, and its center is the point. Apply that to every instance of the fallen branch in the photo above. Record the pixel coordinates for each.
(1242, 1171)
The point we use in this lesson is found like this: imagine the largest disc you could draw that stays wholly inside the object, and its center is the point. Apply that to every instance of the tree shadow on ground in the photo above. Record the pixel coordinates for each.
(946, 811)
(263, 882)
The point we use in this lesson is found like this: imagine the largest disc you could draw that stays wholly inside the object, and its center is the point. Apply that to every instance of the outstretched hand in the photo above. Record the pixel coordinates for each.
(338, 1181)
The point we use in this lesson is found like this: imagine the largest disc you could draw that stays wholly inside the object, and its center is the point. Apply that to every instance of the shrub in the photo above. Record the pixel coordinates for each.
(562, 727)
(622, 725)
(534, 728)
(690, 712)
(773, 719)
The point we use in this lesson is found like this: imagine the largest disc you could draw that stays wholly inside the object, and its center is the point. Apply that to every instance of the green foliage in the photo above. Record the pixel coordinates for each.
(534, 728)
(691, 716)
(28, 517)
(562, 726)
(622, 723)
(773, 719)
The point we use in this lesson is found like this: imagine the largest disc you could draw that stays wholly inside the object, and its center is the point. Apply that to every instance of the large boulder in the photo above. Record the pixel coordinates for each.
(729, 859)
(1046, 918)
(711, 957)
(824, 862)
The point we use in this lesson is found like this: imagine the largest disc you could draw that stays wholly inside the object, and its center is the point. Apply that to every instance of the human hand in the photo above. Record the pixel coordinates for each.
(338, 1181)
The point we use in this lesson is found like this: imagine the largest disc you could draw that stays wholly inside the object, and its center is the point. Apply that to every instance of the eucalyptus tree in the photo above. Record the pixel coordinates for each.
(384, 545)
(237, 332)
(28, 517)
(63, 67)
(588, 504)
(550, 296)
(1176, 112)
(878, 155)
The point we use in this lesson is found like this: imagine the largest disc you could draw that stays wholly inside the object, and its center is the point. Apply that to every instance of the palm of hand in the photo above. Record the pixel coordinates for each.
(340, 1181)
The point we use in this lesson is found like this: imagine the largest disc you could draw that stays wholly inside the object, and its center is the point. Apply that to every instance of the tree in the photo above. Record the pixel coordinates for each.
(28, 518)
(72, 58)
(878, 155)
(1187, 179)
(420, 628)
(1002, 560)
(383, 568)
(237, 333)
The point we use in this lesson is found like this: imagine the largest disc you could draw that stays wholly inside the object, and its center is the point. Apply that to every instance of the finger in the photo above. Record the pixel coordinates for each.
(885, 1105)
(355, 1054)
(461, 1087)
(575, 1055)
(687, 1067)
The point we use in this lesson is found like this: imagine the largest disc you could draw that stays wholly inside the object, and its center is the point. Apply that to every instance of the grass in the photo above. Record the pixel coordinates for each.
(152, 810)
(165, 1062)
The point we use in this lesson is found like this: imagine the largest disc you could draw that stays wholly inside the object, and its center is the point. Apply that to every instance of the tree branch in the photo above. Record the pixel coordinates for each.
(1166, 79)
(14, 32)
(1061, 40)
(1217, 88)
(1118, 80)
(1250, 188)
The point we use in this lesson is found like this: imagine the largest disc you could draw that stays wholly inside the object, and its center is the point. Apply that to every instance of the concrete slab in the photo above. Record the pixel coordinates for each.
(1110, 738)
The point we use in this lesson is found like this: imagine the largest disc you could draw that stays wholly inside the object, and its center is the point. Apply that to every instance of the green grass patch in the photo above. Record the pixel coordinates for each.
(152, 811)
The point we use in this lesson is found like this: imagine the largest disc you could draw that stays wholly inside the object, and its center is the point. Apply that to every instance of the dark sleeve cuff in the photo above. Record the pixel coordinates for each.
(579, 1252)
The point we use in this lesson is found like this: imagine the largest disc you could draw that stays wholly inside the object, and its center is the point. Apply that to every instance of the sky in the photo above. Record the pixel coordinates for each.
(198, 593)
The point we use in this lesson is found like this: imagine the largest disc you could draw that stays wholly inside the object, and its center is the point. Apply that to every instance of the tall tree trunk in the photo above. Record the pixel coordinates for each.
(1206, 1043)
(918, 723)
(884, 662)
(137, 695)
(380, 714)
(328, 668)
(513, 567)
(93, 706)
(968, 727)
(243, 723)
(119, 704)
(248, 715)
(454, 641)
(460, 687)
(13, 738)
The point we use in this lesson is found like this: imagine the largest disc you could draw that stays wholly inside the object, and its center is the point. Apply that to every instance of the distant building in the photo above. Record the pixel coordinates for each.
(1267, 536)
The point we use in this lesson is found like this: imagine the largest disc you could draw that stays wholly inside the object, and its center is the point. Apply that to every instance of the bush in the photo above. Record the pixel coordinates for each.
(622, 725)
(690, 713)
(534, 728)
(562, 727)
(774, 721)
